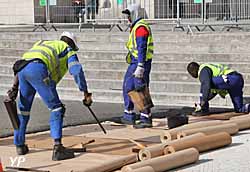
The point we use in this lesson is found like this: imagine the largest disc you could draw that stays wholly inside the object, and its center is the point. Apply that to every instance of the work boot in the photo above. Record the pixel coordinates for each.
(61, 153)
(201, 113)
(128, 118)
(144, 123)
(22, 150)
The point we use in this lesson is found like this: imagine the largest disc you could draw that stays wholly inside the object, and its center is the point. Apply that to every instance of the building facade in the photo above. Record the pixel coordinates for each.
(16, 12)
(69, 11)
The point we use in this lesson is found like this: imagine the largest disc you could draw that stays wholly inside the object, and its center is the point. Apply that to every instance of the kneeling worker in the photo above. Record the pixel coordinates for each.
(218, 79)
(43, 66)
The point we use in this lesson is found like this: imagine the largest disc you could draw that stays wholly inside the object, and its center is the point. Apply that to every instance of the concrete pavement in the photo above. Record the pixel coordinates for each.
(234, 158)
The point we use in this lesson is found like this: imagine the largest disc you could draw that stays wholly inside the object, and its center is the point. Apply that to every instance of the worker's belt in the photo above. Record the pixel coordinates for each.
(20, 64)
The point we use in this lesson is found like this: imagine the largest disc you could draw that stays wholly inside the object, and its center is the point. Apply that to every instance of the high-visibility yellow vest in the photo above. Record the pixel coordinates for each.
(217, 70)
(48, 52)
(132, 45)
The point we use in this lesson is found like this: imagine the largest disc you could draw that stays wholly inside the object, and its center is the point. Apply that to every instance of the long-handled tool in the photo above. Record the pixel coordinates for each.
(97, 120)
(141, 146)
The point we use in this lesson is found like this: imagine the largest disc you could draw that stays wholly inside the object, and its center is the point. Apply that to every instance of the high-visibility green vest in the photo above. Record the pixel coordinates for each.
(132, 46)
(48, 52)
(217, 70)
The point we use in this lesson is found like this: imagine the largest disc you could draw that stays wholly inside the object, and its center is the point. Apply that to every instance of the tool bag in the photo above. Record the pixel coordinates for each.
(177, 120)
(141, 98)
(10, 106)
(19, 65)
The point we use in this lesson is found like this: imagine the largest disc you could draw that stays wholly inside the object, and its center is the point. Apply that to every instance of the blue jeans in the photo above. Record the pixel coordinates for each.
(131, 83)
(234, 86)
(34, 78)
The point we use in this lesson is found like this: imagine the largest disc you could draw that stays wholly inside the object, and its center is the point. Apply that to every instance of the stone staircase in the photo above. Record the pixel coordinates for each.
(103, 57)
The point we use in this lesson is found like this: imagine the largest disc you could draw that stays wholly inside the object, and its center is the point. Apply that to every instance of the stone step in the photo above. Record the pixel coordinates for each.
(118, 74)
(116, 69)
(161, 47)
(155, 86)
(156, 65)
(121, 65)
(115, 96)
(179, 37)
(9, 54)
(103, 57)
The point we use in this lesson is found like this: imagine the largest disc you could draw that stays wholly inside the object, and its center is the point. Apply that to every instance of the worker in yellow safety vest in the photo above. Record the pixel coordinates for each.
(40, 70)
(140, 47)
(217, 79)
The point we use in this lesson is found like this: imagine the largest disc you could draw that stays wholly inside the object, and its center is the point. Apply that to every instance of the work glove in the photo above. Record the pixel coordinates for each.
(87, 101)
(198, 106)
(139, 72)
(225, 79)
(12, 93)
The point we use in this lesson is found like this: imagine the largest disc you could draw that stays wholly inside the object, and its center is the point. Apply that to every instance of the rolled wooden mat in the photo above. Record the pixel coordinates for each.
(167, 162)
(144, 169)
(112, 164)
(223, 116)
(202, 124)
(158, 150)
(171, 134)
(229, 128)
(242, 123)
(151, 151)
(203, 144)
(241, 116)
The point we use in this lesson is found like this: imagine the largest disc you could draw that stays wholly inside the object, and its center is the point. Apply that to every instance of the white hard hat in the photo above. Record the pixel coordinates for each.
(71, 36)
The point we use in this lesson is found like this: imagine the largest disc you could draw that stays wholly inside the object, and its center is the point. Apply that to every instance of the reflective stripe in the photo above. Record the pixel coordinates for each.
(132, 46)
(57, 59)
(43, 53)
(133, 42)
(221, 68)
(150, 51)
(129, 111)
(25, 113)
(57, 109)
(146, 115)
(73, 63)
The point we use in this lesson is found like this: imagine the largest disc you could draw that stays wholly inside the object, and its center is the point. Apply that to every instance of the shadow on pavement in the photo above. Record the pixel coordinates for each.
(226, 147)
(200, 161)
(240, 134)
(46, 166)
